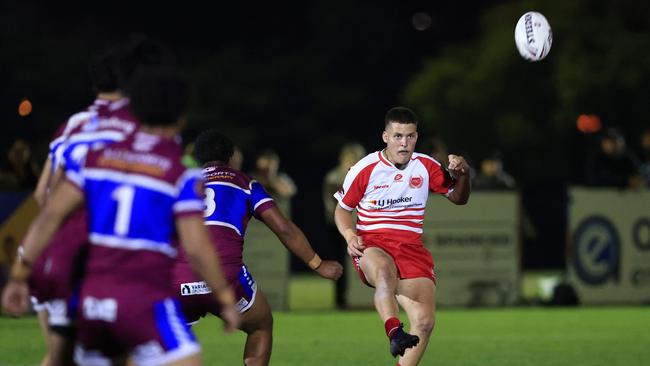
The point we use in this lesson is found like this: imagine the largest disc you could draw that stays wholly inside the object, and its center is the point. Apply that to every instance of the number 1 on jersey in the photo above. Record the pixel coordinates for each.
(124, 197)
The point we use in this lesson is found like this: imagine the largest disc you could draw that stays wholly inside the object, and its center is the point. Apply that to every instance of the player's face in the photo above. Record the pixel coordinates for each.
(400, 139)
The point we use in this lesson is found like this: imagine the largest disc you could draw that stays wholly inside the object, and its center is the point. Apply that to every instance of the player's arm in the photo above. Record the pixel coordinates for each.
(65, 198)
(295, 241)
(345, 224)
(204, 260)
(40, 193)
(459, 169)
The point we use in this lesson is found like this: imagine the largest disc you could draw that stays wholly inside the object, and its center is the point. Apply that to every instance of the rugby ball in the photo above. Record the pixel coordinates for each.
(533, 36)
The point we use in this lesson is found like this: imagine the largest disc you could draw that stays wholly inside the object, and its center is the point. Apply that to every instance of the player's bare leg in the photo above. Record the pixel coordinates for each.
(417, 296)
(257, 322)
(61, 349)
(193, 360)
(43, 323)
(380, 271)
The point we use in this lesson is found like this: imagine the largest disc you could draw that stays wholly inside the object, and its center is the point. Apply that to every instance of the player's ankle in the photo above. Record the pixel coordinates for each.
(391, 326)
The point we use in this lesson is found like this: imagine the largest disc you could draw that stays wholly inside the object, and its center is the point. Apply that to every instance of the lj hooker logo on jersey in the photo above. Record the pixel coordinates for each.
(390, 201)
(416, 182)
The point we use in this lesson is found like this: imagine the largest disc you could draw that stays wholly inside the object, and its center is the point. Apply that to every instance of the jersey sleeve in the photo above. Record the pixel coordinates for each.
(440, 181)
(73, 171)
(260, 199)
(190, 194)
(354, 186)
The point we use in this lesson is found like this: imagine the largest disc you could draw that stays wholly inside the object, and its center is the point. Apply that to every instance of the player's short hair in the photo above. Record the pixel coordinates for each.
(138, 53)
(103, 70)
(400, 115)
(159, 97)
(211, 145)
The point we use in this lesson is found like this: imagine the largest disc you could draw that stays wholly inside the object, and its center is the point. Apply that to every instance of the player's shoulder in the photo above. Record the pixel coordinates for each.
(76, 121)
(368, 162)
(121, 109)
(149, 154)
(426, 160)
(224, 174)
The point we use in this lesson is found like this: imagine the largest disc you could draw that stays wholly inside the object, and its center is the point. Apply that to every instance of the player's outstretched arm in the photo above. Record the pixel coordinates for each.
(64, 200)
(294, 239)
(345, 223)
(204, 260)
(459, 169)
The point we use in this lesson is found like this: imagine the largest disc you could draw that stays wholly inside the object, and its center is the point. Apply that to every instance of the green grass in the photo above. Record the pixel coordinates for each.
(313, 334)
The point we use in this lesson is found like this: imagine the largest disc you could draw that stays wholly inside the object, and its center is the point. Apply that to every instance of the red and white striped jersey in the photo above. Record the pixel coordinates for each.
(391, 201)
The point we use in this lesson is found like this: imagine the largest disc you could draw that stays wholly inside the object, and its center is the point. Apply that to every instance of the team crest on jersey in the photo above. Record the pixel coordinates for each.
(398, 177)
(416, 182)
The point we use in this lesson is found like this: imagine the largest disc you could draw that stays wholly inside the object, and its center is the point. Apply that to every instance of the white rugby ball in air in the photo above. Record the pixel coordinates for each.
(533, 36)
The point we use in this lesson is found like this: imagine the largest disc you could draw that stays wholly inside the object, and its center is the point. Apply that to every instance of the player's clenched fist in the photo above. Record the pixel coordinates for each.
(330, 269)
(457, 165)
(231, 319)
(15, 298)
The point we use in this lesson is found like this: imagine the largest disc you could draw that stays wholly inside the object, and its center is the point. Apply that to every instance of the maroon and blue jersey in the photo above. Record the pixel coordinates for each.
(58, 144)
(59, 269)
(231, 200)
(133, 191)
(109, 123)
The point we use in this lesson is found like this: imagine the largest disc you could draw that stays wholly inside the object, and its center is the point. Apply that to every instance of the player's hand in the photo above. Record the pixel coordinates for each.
(355, 245)
(15, 298)
(330, 269)
(457, 165)
(231, 319)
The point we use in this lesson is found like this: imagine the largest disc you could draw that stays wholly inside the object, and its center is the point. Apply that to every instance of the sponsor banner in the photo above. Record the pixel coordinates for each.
(18, 211)
(609, 245)
(475, 248)
(268, 261)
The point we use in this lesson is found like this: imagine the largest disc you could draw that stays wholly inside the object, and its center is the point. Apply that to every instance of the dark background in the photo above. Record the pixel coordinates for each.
(304, 77)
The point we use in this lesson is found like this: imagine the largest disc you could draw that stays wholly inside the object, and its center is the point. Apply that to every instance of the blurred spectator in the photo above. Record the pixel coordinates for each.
(437, 149)
(613, 165)
(22, 170)
(237, 159)
(492, 176)
(278, 184)
(645, 157)
(348, 156)
(188, 156)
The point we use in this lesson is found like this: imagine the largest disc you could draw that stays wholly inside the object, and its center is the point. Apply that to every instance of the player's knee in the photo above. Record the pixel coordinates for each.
(385, 275)
(425, 325)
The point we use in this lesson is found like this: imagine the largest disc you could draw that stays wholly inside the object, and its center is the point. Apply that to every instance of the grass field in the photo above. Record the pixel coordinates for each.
(314, 334)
